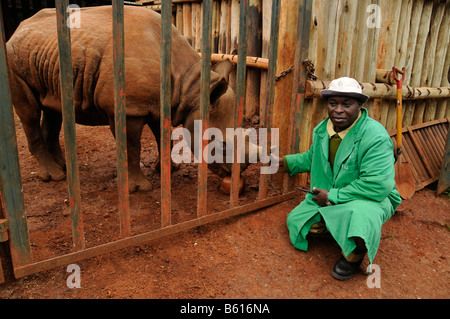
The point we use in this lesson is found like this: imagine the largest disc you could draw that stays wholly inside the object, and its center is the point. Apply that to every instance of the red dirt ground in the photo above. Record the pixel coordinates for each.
(249, 256)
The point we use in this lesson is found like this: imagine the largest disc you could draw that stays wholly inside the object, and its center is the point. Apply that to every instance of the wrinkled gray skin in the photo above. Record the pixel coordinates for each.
(34, 74)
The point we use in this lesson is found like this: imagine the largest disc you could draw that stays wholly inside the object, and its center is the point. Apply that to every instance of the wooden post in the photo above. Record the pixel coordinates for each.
(266, 17)
(165, 120)
(240, 99)
(224, 28)
(187, 22)
(234, 32)
(285, 59)
(424, 28)
(215, 27)
(347, 16)
(179, 18)
(270, 100)
(416, 14)
(254, 39)
(120, 117)
(386, 54)
(299, 83)
(442, 62)
(431, 64)
(68, 114)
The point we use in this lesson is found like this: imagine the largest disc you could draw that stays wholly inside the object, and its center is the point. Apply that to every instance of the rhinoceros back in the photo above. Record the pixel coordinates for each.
(33, 57)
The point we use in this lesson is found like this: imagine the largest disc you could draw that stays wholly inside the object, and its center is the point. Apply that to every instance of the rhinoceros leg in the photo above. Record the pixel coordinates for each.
(51, 127)
(156, 130)
(28, 108)
(136, 179)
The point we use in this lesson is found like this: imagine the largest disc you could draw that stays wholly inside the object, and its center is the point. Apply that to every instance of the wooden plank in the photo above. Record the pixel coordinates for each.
(68, 114)
(26, 270)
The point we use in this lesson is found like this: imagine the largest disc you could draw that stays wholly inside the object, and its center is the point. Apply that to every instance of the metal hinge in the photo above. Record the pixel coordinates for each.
(3, 230)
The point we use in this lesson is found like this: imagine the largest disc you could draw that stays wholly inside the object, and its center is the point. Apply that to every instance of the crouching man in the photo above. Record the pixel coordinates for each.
(351, 162)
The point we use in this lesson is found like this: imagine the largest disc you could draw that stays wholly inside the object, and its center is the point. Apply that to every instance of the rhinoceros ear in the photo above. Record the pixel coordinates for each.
(223, 68)
(218, 87)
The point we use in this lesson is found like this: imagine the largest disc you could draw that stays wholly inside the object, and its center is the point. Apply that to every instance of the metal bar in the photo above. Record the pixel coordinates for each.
(120, 117)
(166, 97)
(273, 52)
(205, 80)
(240, 101)
(68, 112)
(299, 81)
(10, 179)
(146, 237)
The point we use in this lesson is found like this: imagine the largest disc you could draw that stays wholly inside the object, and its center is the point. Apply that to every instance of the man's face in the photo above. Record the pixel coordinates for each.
(343, 111)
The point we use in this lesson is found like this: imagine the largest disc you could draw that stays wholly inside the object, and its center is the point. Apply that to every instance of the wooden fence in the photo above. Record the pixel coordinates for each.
(347, 38)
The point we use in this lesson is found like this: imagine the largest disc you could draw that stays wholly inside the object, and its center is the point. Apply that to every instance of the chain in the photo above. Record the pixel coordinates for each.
(310, 69)
(284, 73)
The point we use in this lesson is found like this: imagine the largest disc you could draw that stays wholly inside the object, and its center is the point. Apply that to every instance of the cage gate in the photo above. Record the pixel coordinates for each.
(10, 178)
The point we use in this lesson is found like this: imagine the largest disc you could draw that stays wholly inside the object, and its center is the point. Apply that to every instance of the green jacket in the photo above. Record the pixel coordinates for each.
(361, 185)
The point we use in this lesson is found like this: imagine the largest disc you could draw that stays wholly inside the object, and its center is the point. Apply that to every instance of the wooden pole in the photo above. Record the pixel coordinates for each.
(266, 16)
(387, 52)
(384, 91)
(285, 59)
(416, 14)
(254, 39)
(68, 109)
(424, 28)
(431, 65)
(224, 27)
(120, 117)
(165, 120)
(187, 22)
(10, 179)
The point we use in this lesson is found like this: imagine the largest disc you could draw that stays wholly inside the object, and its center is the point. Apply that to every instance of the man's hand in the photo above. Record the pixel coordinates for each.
(322, 196)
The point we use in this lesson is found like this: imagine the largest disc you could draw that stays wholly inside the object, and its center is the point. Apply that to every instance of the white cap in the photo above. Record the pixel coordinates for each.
(345, 87)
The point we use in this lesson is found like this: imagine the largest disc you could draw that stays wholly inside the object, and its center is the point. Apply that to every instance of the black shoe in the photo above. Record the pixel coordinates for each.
(344, 269)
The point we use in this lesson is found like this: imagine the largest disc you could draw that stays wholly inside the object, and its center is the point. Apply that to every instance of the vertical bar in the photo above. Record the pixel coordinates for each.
(166, 53)
(444, 176)
(10, 179)
(120, 117)
(273, 52)
(68, 112)
(240, 101)
(204, 104)
(299, 85)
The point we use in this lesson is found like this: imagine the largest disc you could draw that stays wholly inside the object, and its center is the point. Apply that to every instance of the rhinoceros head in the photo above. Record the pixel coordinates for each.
(221, 121)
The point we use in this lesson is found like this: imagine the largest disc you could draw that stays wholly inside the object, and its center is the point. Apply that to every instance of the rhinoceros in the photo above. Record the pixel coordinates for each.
(34, 75)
